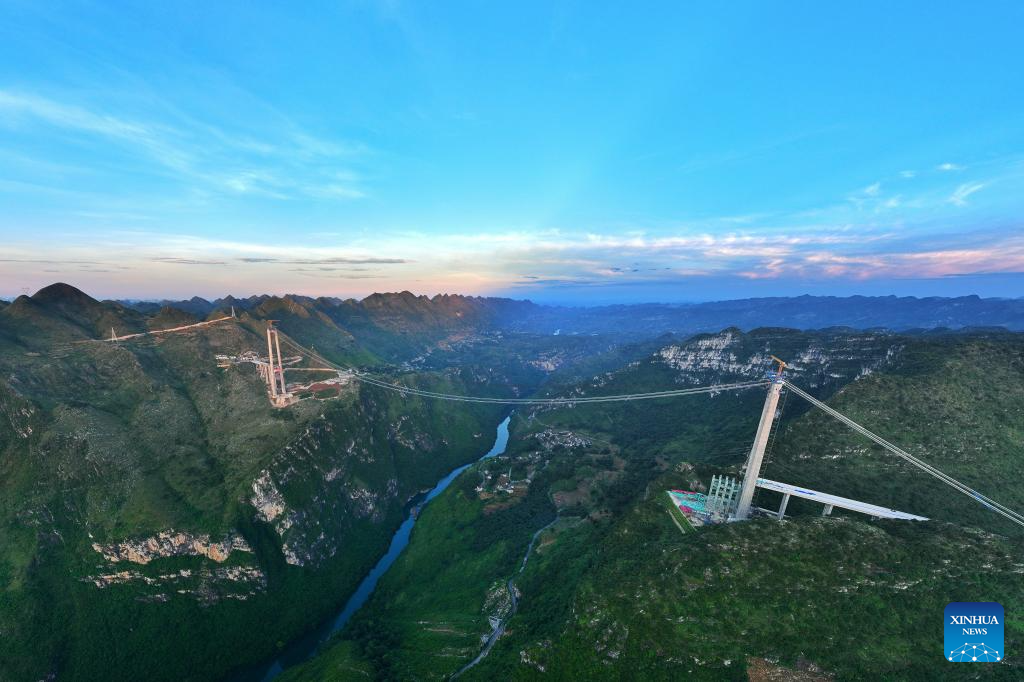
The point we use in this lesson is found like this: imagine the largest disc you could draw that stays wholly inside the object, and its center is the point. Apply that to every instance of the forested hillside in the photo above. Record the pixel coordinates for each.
(153, 503)
(616, 585)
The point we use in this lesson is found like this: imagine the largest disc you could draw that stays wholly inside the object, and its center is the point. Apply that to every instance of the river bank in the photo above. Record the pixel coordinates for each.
(307, 647)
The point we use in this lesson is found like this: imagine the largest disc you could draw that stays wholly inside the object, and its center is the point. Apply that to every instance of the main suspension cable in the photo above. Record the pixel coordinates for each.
(903, 454)
(568, 400)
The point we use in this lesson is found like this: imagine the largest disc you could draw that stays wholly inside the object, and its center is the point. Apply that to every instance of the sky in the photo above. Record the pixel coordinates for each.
(566, 152)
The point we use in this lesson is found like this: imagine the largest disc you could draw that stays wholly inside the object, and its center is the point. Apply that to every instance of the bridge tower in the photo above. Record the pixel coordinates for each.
(764, 428)
(275, 367)
(271, 375)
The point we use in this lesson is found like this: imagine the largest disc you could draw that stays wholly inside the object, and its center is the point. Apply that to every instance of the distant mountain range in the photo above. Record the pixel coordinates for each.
(800, 312)
(397, 326)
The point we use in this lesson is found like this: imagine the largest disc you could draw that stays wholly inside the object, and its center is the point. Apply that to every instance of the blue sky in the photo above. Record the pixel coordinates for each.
(579, 152)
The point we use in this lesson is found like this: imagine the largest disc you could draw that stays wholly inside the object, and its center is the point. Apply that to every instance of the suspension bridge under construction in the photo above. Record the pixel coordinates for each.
(727, 500)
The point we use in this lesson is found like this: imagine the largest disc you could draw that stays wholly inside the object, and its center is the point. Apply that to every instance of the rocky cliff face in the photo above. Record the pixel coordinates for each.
(312, 490)
(715, 354)
(268, 501)
(816, 360)
(171, 543)
(205, 585)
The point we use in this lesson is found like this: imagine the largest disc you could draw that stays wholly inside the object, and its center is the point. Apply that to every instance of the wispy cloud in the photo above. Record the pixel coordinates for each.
(960, 194)
(47, 261)
(872, 238)
(948, 167)
(144, 137)
(868, 198)
(335, 273)
(532, 261)
(335, 191)
(200, 155)
(326, 261)
(188, 261)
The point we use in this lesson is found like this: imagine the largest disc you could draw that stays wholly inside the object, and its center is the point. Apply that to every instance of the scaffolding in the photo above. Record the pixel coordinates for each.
(723, 497)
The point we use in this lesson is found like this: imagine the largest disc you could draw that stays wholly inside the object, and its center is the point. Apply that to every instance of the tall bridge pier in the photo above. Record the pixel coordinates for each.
(752, 479)
(756, 455)
(279, 394)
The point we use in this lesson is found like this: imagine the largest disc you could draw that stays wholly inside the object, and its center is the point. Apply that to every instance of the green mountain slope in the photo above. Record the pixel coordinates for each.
(618, 587)
(152, 503)
(957, 403)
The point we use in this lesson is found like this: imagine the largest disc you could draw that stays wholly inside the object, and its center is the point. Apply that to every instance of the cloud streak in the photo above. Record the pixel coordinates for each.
(543, 259)
(188, 261)
(200, 155)
(326, 261)
(528, 262)
(960, 194)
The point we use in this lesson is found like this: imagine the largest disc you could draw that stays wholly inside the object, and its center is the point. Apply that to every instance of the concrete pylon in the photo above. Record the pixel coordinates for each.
(782, 507)
(280, 366)
(764, 428)
(270, 359)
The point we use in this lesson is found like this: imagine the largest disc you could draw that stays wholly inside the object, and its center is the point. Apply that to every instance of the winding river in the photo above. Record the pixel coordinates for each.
(306, 647)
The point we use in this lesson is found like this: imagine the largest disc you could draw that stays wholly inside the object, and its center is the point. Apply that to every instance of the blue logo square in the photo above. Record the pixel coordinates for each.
(973, 632)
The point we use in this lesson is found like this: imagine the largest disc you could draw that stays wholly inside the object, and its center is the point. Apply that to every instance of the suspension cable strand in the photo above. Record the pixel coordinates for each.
(903, 454)
(949, 480)
(555, 401)
(408, 390)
